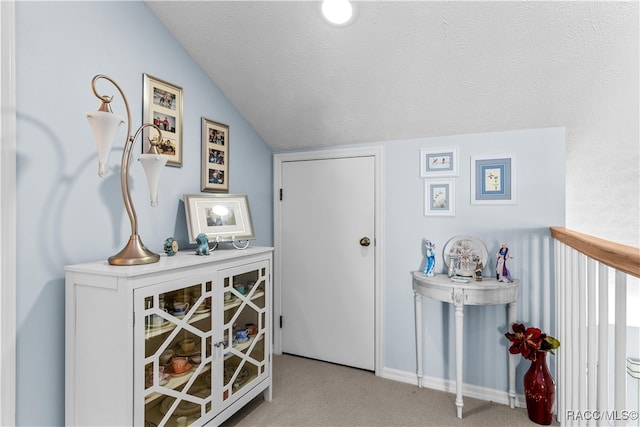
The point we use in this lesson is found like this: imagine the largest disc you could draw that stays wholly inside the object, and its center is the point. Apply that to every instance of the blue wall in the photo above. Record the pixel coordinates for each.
(524, 226)
(66, 213)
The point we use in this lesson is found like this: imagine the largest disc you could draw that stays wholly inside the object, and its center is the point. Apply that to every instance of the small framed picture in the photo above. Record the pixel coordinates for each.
(439, 197)
(222, 217)
(163, 108)
(215, 157)
(438, 162)
(493, 180)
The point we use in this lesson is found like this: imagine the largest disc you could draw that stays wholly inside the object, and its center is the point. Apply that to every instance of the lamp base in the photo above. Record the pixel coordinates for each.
(135, 253)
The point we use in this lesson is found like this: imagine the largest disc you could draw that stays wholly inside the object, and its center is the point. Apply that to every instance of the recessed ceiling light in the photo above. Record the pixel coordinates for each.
(338, 12)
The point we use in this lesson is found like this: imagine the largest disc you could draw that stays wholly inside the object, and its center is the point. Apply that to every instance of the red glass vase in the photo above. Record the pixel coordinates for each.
(539, 390)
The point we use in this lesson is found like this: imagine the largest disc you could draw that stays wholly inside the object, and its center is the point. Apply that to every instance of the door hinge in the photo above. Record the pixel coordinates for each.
(280, 322)
(281, 194)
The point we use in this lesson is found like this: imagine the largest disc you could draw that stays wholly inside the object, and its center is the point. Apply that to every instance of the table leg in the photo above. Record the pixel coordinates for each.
(459, 317)
(511, 318)
(418, 303)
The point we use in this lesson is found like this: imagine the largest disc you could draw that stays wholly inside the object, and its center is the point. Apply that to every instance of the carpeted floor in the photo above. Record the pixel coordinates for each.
(313, 393)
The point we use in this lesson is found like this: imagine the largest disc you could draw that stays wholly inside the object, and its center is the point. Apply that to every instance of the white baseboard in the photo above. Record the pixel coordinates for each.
(449, 386)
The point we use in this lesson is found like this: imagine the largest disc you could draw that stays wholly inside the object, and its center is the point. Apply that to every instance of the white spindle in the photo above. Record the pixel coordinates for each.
(574, 332)
(567, 309)
(592, 350)
(582, 331)
(603, 339)
(620, 355)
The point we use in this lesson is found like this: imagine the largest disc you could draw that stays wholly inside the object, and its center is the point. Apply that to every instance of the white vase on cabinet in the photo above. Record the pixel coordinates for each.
(126, 326)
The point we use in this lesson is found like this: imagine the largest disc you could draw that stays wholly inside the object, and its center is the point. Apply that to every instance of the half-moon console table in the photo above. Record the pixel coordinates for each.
(487, 292)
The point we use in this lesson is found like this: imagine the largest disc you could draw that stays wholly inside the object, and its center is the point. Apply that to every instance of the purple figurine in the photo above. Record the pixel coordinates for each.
(502, 272)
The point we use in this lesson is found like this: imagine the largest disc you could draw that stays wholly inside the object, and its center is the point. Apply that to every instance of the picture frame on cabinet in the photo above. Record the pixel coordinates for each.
(162, 106)
(215, 157)
(222, 217)
(493, 179)
(439, 197)
(435, 162)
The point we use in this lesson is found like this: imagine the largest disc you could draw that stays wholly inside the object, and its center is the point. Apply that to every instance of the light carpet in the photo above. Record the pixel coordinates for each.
(312, 393)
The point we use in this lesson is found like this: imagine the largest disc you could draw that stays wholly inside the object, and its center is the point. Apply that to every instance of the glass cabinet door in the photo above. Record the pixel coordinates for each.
(245, 340)
(175, 339)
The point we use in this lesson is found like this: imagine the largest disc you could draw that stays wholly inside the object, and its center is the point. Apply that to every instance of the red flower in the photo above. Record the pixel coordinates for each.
(527, 341)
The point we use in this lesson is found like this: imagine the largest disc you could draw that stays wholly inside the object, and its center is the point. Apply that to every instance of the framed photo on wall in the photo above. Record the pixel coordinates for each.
(493, 179)
(163, 108)
(439, 197)
(438, 162)
(215, 156)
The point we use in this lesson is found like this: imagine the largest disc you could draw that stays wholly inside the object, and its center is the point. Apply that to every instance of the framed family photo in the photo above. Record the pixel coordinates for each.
(439, 197)
(215, 156)
(222, 217)
(438, 162)
(493, 180)
(163, 108)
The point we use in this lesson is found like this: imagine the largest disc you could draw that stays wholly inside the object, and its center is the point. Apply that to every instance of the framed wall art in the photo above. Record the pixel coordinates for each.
(163, 108)
(215, 156)
(222, 217)
(493, 180)
(438, 162)
(439, 197)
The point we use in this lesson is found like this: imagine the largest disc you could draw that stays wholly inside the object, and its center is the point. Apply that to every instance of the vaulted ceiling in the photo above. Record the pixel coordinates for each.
(405, 69)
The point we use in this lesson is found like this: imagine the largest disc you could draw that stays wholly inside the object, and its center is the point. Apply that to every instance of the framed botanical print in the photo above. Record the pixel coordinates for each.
(439, 197)
(493, 180)
(215, 157)
(163, 108)
(439, 162)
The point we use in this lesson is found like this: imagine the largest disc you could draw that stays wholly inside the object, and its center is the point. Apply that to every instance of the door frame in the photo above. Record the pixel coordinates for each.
(336, 153)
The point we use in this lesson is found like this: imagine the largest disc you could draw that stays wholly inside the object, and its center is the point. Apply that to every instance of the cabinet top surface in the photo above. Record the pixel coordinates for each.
(181, 259)
(442, 280)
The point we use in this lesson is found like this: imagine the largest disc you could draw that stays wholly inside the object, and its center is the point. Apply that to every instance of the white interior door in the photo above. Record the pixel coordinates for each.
(327, 273)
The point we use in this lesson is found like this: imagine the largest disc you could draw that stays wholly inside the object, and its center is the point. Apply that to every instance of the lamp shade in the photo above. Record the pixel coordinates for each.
(153, 164)
(105, 127)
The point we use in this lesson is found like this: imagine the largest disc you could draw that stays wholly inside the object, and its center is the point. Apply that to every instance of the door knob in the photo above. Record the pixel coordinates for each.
(365, 241)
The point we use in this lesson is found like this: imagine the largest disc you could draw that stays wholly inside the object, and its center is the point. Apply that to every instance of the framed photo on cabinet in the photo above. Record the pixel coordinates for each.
(439, 197)
(222, 217)
(215, 157)
(438, 162)
(493, 179)
(163, 107)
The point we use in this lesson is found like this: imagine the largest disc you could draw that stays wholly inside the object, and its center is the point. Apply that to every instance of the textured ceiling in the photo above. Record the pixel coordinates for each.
(404, 69)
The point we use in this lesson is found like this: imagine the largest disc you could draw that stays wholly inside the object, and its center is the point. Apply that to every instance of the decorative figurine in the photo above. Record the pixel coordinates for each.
(203, 244)
(478, 271)
(431, 258)
(502, 272)
(170, 246)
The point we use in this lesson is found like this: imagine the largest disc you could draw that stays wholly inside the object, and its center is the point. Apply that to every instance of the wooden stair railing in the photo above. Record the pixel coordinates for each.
(584, 267)
(616, 255)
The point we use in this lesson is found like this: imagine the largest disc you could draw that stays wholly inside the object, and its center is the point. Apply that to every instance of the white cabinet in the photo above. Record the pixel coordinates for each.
(184, 339)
